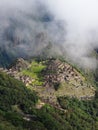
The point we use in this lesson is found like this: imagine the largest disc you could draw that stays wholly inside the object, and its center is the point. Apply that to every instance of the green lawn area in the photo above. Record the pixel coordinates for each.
(34, 71)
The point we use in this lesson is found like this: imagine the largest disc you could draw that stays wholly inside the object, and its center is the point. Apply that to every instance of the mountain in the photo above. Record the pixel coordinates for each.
(21, 108)
(47, 78)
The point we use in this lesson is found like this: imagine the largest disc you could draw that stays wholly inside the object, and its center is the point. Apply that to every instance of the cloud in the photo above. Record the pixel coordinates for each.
(71, 26)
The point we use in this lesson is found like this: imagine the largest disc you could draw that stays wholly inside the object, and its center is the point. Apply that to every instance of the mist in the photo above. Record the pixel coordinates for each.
(28, 27)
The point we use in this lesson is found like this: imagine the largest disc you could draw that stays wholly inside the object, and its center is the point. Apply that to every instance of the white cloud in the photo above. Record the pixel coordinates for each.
(78, 33)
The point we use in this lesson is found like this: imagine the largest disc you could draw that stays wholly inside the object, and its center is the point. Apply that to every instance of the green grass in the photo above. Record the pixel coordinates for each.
(34, 71)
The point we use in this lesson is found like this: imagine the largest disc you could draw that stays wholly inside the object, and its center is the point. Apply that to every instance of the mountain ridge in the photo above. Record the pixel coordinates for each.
(51, 109)
(52, 78)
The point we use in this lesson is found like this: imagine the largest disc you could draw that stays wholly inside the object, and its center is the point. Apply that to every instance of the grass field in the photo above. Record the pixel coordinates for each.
(34, 71)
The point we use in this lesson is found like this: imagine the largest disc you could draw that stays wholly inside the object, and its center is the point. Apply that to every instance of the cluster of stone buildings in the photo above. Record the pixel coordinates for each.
(58, 71)
(55, 73)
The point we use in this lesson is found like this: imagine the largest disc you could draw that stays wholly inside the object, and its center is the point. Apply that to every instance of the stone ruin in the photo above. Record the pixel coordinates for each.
(57, 72)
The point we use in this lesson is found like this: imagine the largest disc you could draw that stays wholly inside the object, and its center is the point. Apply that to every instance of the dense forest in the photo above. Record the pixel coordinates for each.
(18, 110)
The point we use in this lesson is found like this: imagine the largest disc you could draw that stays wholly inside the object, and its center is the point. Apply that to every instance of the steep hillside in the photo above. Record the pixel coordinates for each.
(20, 110)
(52, 78)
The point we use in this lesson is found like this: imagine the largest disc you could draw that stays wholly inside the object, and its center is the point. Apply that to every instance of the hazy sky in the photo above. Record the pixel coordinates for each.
(82, 27)
(78, 19)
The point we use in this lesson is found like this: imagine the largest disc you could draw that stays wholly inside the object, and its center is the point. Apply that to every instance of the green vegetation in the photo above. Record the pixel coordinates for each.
(82, 115)
(34, 71)
(13, 92)
(18, 110)
(18, 105)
